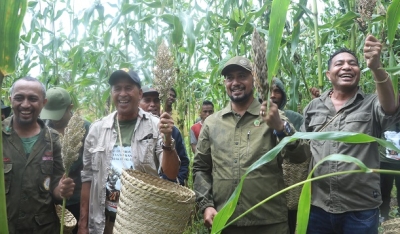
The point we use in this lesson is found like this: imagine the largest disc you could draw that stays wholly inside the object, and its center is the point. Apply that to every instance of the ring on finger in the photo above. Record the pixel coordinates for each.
(369, 48)
(165, 125)
(262, 113)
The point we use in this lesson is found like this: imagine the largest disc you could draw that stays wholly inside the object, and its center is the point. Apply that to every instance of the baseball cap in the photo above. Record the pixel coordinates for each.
(237, 61)
(124, 72)
(58, 100)
(148, 90)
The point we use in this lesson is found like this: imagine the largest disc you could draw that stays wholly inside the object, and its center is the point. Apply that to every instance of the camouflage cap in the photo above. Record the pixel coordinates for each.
(237, 61)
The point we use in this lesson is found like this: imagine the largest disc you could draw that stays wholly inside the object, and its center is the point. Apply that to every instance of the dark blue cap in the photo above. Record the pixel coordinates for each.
(122, 73)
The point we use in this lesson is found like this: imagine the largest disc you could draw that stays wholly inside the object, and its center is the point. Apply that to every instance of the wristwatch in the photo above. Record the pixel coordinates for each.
(170, 147)
(287, 131)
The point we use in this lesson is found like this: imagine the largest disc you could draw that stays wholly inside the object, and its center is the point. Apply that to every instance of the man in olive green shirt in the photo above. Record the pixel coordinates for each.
(349, 203)
(32, 161)
(233, 139)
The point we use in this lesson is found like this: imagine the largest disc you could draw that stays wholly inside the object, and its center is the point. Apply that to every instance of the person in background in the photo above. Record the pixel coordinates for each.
(33, 167)
(390, 160)
(349, 203)
(207, 109)
(56, 113)
(5, 111)
(128, 138)
(230, 141)
(150, 102)
(170, 101)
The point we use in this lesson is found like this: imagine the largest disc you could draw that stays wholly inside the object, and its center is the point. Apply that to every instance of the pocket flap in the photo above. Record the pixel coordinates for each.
(317, 121)
(45, 218)
(360, 117)
(96, 149)
(7, 167)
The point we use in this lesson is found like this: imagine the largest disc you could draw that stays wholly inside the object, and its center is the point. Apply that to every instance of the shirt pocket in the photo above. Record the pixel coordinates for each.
(146, 150)
(316, 125)
(358, 122)
(96, 155)
(46, 167)
(7, 176)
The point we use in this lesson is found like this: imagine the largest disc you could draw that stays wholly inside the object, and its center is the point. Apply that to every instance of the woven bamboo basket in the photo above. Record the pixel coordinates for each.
(69, 219)
(292, 174)
(149, 204)
(392, 226)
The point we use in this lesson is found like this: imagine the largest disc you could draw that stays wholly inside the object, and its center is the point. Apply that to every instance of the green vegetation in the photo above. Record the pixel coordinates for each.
(78, 49)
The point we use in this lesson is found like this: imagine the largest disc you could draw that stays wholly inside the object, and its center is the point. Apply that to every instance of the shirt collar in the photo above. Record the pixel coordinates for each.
(254, 108)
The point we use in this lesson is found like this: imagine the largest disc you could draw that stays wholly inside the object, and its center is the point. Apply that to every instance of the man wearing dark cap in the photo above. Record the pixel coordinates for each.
(57, 113)
(233, 139)
(150, 102)
(127, 138)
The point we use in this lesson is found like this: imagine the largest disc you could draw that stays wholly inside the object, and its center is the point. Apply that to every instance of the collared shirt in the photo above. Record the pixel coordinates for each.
(147, 157)
(195, 132)
(351, 192)
(227, 146)
(30, 181)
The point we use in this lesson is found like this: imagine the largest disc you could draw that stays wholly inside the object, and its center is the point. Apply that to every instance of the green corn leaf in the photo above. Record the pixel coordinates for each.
(174, 22)
(276, 24)
(12, 13)
(347, 19)
(393, 19)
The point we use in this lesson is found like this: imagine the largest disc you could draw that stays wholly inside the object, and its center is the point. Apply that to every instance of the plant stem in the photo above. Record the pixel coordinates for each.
(62, 216)
(3, 204)
(317, 45)
(63, 210)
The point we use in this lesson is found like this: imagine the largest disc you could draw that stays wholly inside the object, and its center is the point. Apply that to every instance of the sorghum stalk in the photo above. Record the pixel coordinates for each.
(71, 143)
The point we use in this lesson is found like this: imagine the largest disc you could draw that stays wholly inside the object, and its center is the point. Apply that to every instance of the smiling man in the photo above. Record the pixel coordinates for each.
(233, 139)
(128, 138)
(349, 203)
(33, 168)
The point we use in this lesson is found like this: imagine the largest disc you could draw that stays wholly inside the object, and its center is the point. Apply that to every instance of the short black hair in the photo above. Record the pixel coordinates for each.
(339, 51)
(208, 103)
(173, 90)
(29, 78)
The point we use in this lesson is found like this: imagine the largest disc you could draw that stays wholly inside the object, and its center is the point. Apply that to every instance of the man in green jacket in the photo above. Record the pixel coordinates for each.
(32, 162)
(233, 139)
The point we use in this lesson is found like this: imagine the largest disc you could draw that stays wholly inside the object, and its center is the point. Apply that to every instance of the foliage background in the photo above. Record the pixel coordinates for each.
(78, 50)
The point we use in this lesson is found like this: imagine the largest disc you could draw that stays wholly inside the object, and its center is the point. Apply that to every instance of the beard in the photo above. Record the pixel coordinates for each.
(242, 98)
(24, 122)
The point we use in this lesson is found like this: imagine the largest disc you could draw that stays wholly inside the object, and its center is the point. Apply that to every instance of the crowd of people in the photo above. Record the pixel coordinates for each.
(140, 135)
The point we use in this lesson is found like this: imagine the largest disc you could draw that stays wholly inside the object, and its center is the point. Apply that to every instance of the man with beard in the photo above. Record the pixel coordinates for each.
(33, 168)
(128, 138)
(150, 102)
(233, 139)
(57, 112)
(349, 203)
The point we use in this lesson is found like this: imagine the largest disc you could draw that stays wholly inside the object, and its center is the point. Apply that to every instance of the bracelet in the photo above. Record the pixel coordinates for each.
(382, 81)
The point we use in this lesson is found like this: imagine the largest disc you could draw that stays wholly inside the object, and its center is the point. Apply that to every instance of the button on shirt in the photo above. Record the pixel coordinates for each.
(351, 192)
